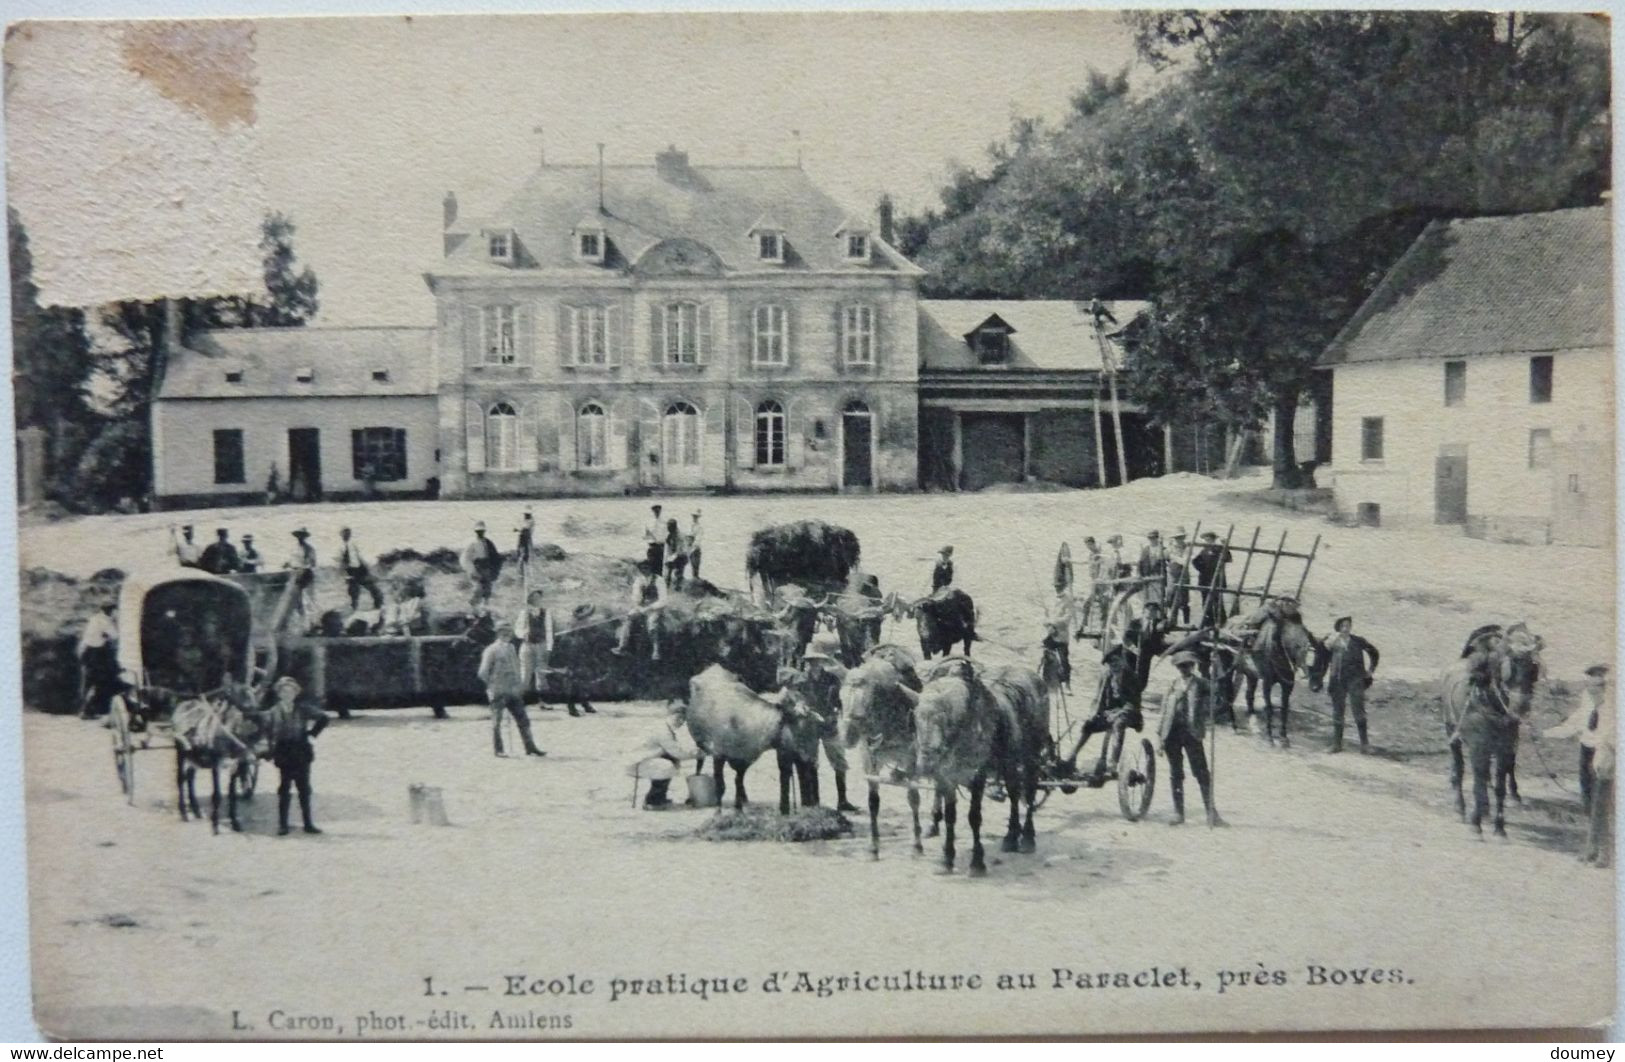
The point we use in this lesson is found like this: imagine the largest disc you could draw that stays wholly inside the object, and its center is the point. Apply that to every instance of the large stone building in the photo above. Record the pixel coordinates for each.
(673, 326)
(1476, 384)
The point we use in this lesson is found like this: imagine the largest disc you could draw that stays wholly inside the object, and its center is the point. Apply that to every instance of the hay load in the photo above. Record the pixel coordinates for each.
(810, 553)
(52, 612)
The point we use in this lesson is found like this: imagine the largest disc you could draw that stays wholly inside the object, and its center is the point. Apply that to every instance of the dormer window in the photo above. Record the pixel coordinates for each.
(991, 340)
(590, 241)
(857, 247)
(499, 245)
(770, 246)
(304, 374)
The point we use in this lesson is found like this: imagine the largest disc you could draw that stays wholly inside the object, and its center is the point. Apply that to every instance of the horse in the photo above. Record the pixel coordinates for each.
(970, 725)
(878, 698)
(1282, 648)
(211, 733)
(1482, 721)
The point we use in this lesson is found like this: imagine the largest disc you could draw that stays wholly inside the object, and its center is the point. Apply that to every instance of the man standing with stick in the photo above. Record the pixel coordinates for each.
(1186, 712)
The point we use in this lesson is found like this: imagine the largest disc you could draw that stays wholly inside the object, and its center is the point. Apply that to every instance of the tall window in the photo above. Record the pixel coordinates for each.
(1540, 448)
(501, 438)
(1540, 378)
(498, 335)
(1455, 383)
(682, 322)
(228, 455)
(587, 334)
(1371, 439)
(770, 336)
(592, 437)
(858, 335)
(682, 427)
(769, 433)
(378, 454)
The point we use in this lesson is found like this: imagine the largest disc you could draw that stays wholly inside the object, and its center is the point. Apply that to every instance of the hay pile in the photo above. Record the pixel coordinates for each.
(809, 552)
(763, 823)
(52, 612)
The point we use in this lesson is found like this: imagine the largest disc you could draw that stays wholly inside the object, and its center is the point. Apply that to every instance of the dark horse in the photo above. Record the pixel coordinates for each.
(1282, 648)
(211, 734)
(1482, 718)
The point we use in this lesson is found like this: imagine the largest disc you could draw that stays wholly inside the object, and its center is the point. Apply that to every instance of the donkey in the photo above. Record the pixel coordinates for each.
(212, 734)
(1282, 648)
(1482, 718)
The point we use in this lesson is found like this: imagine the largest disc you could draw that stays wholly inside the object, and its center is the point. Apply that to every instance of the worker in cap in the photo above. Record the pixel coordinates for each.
(1211, 564)
(483, 563)
(1117, 710)
(301, 563)
(527, 537)
(292, 724)
(357, 572)
(220, 556)
(1351, 660)
(648, 597)
(1593, 723)
(505, 689)
(1099, 591)
(943, 574)
(1186, 710)
(663, 752)
(1177, 596)
(817, 686)
(692, 542)
(187, 552)
(1152, 568)
(1119, 568)
(249, 560)
(654, 540)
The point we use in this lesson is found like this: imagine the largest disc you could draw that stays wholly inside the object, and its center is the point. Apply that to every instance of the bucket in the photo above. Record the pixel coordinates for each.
(702, 790)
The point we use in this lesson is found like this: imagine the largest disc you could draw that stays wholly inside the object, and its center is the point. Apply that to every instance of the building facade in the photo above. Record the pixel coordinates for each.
(673, 327)
(1476, 385)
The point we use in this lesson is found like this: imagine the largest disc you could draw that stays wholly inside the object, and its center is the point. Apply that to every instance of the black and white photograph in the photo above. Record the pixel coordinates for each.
(838, 525)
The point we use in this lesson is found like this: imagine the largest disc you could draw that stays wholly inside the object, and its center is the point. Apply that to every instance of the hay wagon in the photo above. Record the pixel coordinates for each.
(185, 635)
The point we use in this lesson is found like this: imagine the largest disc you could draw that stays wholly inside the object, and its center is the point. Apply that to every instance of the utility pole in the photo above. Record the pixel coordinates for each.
(1109, 366)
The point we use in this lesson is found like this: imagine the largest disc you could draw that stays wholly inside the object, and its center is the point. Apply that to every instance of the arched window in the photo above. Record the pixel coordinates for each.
(857, 405)
(769, 434)
(502, 438)
(770, 338)
(592, 437)
(682, 427)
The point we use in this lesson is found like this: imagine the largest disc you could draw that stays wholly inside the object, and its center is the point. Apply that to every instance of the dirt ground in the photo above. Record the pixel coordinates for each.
(143, 926)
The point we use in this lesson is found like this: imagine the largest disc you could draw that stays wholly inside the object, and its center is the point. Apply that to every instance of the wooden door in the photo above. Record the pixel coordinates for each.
(857, 450)
(1450, 488)
(305, 464)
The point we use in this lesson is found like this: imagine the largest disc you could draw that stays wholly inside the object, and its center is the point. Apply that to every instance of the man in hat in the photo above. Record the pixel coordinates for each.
(1117, 710)
(1153, 567)
(527, 536)
(1116, 567)
(943, 574)
(648, 597)
(505, 689)
(654, 540)
(249, 561)
(292, 725)
(302, 564)
(357, 573)
(220, 556)
(1178, 597)
(1348, 677)
(483, 563)
(1591, 723)
(1185, 719)
(1210, 563)
(534, 629)
(1055, 654)
(1145, 637)
(1098, 591)
(817, 685)
(692, 542)
(98, 659)
(670, 742)
(187, 552)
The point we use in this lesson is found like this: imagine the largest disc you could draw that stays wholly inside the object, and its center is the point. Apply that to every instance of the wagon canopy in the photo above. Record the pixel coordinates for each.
(183, 630)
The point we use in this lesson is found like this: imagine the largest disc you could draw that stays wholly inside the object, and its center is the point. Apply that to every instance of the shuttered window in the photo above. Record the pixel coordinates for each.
(682, 339)
(857, 337)
(587, 335)
(228, 455)
(499, 335)
(378, 454)
(769, 336)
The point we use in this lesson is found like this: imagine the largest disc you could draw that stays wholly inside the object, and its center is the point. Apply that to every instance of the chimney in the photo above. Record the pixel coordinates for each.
(671, 165)
(449, 206)
(884, 211)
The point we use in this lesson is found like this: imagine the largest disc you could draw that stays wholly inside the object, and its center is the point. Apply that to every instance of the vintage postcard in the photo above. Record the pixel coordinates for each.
(815, 525)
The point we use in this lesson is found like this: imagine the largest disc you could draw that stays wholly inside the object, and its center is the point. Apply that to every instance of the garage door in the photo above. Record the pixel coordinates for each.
(991, 447)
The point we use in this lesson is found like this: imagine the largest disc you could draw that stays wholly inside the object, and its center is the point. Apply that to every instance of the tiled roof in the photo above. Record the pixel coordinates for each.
(341, 362)
(1049, 334)
(1505, 285)
(717, 206)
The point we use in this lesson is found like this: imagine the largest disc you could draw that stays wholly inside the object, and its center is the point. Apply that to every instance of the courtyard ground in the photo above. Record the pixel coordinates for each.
(145, 926)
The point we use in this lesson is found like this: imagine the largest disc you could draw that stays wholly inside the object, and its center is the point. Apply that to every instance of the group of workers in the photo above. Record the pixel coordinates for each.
(1164, 571)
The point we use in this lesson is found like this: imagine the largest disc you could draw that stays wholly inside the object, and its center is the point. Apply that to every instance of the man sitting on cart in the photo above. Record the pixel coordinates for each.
(1117, 709)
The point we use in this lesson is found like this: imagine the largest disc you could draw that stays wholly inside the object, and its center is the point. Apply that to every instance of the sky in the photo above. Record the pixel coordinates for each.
(362, 125)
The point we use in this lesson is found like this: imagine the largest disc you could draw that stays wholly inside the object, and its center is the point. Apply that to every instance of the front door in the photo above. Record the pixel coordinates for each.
(305, 464)
(857, 447)
(1450, 488)
(681, 441)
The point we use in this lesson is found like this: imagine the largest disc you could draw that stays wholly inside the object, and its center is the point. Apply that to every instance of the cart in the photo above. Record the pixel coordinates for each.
(184, 635)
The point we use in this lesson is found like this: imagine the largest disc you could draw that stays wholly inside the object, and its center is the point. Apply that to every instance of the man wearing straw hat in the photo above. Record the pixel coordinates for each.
(505, 689)
(1178, 597)
(818, 686)
(291, 749)
(302, 563)
(483, 563)
(1185, 719)
(1347, 679)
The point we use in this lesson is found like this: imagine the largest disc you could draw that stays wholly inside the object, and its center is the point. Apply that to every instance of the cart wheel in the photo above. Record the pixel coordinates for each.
(118, 715)
(1136, 779)
(248, 776)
